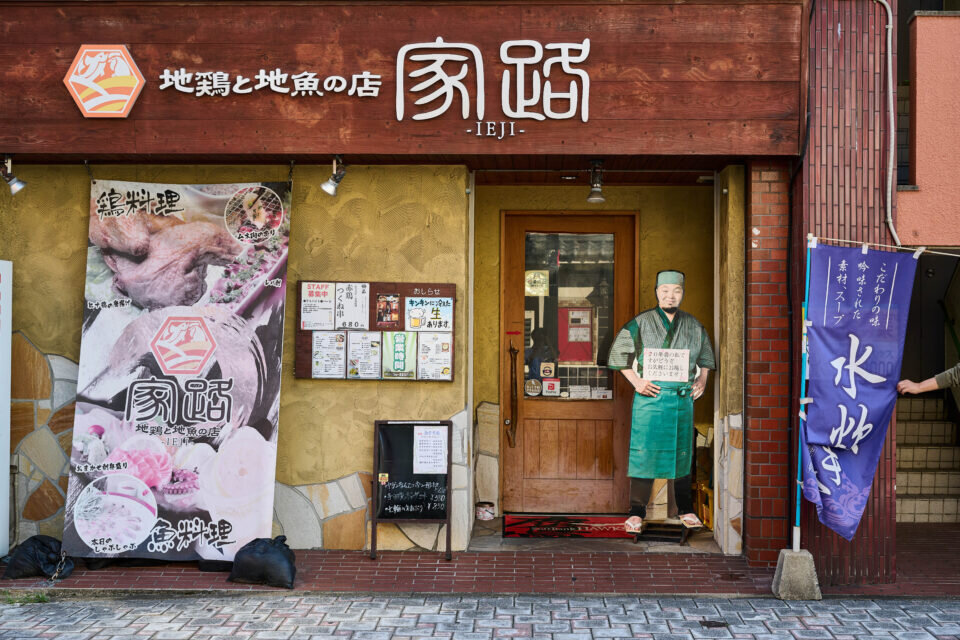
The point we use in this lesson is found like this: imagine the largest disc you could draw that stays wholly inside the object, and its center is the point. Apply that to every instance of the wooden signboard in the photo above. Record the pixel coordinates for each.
(411, 474)
(714, 77)
(375, 331)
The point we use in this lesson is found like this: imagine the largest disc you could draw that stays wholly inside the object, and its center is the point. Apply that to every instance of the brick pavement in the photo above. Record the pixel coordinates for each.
(921, 574)
(502, 572)
(298, 617)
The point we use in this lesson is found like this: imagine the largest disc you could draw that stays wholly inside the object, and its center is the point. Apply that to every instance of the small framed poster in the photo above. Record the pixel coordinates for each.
(363, 355)
(434, 356)
(329, 354)
(399, 355)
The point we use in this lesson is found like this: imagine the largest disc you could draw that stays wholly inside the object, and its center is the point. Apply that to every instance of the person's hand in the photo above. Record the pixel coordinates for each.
(646, 388)
(908, 386)
(698, 387)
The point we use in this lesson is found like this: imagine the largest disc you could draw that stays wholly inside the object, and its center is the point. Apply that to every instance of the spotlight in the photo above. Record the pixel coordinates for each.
(339, 170)
(6, 172)
(596, 182)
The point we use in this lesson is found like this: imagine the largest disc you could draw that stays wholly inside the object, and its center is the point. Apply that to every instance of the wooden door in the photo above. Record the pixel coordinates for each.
(568, 283)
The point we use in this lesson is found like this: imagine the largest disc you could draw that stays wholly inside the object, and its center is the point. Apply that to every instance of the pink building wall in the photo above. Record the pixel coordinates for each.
(930, 215)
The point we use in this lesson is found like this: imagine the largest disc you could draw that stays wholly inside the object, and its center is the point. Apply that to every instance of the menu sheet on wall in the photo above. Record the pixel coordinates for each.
(363, 355)
(352, 308)
(329, 354)
(435, 356)
(317, 306)
(429, 314)
(399, 355)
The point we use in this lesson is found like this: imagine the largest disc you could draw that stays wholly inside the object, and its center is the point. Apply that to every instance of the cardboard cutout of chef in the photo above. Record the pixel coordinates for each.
(673, 358)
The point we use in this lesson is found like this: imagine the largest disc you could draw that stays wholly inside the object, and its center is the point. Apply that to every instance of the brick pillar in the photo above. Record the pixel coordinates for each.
(766, 462)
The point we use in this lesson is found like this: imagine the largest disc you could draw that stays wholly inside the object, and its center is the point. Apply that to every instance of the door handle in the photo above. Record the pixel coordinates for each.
(511, 422)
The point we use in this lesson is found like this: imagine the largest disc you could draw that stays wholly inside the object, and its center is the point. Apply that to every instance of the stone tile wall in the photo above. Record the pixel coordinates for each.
(327, 515)
(43, 388)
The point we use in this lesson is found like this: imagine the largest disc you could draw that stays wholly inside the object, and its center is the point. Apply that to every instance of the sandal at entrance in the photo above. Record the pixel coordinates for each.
(691, 521)
(633, 524)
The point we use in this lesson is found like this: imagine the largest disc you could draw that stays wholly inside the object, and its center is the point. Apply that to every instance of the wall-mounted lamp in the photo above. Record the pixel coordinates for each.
(339, 171)
(596, 182)
(6, 172)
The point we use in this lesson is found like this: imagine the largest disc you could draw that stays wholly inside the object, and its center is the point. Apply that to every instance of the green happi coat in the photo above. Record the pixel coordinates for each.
(661, 434)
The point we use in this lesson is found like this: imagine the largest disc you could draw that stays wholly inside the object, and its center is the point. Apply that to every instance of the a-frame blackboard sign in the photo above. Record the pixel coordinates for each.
(411, 474)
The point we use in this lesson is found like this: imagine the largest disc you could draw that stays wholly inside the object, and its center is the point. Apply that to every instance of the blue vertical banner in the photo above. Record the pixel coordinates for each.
(856, 322)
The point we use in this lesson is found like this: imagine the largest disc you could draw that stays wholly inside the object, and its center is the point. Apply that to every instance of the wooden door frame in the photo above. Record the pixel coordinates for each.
(502, 337)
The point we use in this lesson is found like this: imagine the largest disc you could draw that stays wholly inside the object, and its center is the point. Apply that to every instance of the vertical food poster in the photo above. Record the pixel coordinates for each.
(399, 355)
(178, 393)
(317, 306)
(329, 354)
(388, 310)
(352, 308)
(363, 355)
(429, 314)
(434, 356)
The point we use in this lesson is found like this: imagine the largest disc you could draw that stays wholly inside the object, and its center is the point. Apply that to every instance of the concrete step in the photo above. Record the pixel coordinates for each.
(920, 408)
(910, 456)
(926, 432)
(928, 482)
(929, 508)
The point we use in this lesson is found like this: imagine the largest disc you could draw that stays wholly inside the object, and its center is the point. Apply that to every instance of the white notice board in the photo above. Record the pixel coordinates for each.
(666, 365)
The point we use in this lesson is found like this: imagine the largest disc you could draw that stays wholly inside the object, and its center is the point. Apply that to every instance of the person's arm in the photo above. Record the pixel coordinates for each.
(948, 378)
(642, 386)
(909, 386)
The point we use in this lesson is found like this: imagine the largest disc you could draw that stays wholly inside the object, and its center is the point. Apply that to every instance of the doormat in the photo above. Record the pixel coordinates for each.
(563, 526)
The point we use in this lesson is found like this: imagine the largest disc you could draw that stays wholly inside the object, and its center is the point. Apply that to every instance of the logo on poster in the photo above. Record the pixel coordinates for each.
(104, 81)
(183, 345)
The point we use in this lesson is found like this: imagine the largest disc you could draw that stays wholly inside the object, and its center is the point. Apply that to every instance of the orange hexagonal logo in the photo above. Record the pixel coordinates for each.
(104, 81)
(183, 345)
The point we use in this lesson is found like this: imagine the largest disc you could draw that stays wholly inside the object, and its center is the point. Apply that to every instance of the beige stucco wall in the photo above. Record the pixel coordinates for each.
(387, 223)
(676, 232)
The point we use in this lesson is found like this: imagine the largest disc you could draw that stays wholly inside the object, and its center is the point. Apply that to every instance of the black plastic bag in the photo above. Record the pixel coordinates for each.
(265, 561)
(37, 556)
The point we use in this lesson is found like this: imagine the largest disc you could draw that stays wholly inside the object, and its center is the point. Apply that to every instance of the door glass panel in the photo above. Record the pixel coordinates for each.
(568, 301)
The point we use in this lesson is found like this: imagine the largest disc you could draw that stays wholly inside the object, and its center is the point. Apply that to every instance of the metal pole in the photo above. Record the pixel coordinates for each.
(803, 393)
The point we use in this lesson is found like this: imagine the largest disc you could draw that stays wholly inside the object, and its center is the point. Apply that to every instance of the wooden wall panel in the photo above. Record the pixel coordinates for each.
(698, 77)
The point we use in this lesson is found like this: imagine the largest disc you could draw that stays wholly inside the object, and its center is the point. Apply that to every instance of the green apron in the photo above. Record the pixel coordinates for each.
(661, 432)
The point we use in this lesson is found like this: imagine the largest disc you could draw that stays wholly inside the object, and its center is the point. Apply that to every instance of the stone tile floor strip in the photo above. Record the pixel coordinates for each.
(383, 617)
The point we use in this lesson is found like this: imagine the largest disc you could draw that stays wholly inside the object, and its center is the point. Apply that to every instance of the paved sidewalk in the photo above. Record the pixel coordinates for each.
(383, 617)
